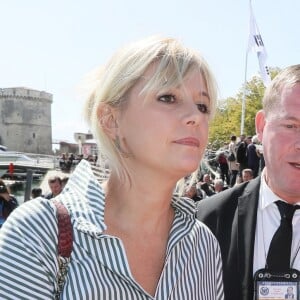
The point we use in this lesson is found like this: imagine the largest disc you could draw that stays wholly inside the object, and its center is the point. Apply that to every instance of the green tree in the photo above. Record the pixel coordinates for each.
(227, 120)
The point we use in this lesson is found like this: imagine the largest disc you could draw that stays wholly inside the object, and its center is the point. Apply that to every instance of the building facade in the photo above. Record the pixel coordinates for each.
(25, 120)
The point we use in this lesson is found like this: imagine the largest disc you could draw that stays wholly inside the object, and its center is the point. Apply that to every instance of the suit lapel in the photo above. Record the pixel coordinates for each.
(247, 215)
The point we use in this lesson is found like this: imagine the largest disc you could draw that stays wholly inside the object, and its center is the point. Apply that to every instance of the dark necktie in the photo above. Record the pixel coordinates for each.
(279, 253)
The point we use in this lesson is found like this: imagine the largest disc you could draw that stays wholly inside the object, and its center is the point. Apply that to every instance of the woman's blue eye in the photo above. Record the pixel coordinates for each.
(167, 98)
(202, 108)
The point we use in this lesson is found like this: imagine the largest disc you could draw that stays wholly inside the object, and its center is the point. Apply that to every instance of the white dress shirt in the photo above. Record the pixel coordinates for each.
(268, 220)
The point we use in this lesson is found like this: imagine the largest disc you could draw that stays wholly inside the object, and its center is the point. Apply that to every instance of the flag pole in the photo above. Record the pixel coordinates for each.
(244, 95)
(245, 88)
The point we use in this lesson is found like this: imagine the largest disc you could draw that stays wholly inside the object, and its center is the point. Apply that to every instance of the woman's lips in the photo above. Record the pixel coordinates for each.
(188, 142)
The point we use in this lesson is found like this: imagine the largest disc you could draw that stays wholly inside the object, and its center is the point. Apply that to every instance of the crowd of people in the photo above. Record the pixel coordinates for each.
(56, 183)
(68, 161)
(8, 202)
(239, 161)
(133, 237)
(245, 152)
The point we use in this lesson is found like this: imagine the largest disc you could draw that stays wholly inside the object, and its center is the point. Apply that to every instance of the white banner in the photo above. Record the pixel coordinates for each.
(256, 44)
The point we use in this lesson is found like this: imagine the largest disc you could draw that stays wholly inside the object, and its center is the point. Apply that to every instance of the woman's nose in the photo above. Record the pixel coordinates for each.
(193, 115)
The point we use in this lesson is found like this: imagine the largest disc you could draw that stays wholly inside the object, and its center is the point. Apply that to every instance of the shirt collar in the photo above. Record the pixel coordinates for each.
(267, 196)
(85, 199)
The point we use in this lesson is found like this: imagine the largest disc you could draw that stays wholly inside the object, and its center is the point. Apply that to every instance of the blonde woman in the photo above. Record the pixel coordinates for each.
(149, 110)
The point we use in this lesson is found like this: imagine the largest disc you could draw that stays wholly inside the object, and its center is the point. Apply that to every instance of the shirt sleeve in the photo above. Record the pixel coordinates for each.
(28, 252)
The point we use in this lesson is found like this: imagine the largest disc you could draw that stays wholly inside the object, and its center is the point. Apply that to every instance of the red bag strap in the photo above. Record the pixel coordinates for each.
(65, 237)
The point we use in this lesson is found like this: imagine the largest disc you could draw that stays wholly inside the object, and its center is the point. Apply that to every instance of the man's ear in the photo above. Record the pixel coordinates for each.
(107, 118)
(260, 122)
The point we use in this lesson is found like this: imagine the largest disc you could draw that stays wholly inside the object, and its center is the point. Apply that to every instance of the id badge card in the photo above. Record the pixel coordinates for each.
(276, 286)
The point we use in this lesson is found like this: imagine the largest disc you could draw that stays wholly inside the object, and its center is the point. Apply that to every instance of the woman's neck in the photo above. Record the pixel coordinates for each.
(139, 203)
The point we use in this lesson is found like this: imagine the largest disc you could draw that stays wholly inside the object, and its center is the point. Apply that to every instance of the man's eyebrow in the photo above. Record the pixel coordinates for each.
(291, 118)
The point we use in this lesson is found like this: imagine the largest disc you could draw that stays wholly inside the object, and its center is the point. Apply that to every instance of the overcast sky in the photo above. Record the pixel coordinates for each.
(51, 44)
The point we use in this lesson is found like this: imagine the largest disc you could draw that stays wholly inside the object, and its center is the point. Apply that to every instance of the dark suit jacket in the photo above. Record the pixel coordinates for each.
(231, 215)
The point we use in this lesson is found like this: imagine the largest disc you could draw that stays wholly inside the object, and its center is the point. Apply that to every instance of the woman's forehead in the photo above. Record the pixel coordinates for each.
(154, 78)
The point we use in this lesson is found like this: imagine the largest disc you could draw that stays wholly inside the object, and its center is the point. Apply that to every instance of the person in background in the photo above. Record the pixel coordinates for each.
(70, 162)
(194, 193)
(207, 185)
(260, 153)
(218, 185)
(232, 164)
(247, 174)
(253, 156)
(36, 192)
(204, 189)
(223, 166)
(63, 162)
(245, 218)
(55, 186)
(7, 202)
(149, 110)
(241, 153)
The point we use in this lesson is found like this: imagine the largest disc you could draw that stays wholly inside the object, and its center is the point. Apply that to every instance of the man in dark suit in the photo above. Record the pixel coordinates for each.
(245, 217)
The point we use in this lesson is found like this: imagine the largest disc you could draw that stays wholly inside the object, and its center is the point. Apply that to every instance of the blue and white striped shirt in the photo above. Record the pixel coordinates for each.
(99, 268)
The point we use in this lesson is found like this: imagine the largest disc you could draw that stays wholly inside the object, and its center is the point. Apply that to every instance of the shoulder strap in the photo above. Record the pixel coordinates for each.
(65, 238)
(65, 244)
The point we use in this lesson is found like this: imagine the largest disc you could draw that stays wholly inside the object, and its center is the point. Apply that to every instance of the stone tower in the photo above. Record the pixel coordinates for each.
(25, 120)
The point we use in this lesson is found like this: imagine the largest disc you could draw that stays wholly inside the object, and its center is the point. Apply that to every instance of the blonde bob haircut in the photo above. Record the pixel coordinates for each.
(113, 82)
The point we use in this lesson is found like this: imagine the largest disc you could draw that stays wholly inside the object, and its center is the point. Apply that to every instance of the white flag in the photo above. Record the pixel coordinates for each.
(256, 44)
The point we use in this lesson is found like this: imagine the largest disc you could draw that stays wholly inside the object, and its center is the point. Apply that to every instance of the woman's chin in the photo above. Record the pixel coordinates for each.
(188, 169)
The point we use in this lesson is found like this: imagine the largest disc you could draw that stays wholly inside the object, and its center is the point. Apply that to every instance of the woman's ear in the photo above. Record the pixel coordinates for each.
(107, 118)
(260, 122)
